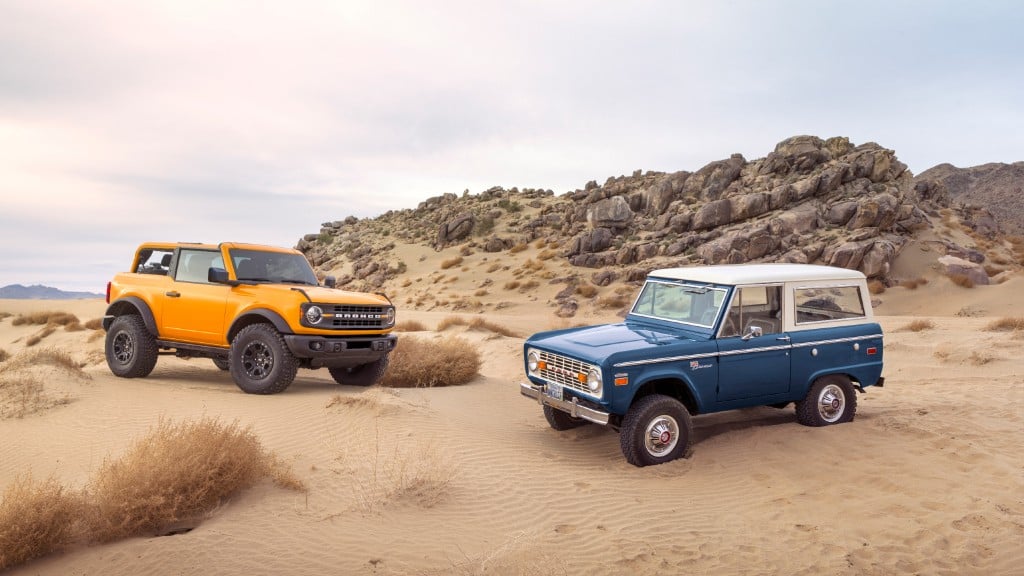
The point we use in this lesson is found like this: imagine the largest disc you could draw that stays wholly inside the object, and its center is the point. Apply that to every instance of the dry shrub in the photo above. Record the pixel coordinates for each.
(36, 519)
(38, 336)
(23, 393)
(518, 248)
(410, 326)
(532, 265)
(406, 283)
(450, 262)
(528, 285)
(450, 321)
(980, 358)
(44, 318)
(586, 290)
(876, 287)
(611, 302)
(480, 292)
(4, 355)
(5, 315)
(547, 255)
(512, 285)
(49, 356)
(177, 473)
(1006, 324)
(962, 280)
(914, 283)
(991, 270)
(942, 353)
(406, 472)
(493, 267)
(421, 363)
(918, 326)
(481, 324)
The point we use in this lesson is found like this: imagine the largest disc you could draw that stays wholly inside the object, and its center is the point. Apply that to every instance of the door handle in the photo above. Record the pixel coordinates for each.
(172, 294)
(783, 338)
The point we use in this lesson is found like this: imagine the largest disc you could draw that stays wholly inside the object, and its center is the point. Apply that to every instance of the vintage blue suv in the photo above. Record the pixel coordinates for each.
(707, 339)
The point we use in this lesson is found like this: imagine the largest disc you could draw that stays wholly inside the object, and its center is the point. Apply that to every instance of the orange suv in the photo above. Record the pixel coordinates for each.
(256, 311)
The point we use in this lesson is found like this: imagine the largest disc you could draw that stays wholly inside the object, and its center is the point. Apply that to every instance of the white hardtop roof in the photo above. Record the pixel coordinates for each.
(732, 274)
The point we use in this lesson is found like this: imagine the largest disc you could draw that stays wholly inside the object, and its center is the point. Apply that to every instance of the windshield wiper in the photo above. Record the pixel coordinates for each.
(696, 290)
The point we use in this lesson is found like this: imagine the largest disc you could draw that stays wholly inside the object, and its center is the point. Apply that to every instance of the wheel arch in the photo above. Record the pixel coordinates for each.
(130, 305)
(258, 316)
(674, 387)
(828, 373)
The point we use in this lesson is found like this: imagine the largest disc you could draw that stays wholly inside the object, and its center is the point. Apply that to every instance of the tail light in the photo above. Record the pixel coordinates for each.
(108, 292)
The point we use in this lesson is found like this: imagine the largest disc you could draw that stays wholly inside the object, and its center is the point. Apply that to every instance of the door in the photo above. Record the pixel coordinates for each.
(193, 307)
(753, 366)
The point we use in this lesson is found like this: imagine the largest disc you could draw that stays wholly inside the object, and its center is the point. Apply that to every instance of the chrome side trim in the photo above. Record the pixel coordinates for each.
(667, 359)
(572, 408)
(748, 351)
(837, 340)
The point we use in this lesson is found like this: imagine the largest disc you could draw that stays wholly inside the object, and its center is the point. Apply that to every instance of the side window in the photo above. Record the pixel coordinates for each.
(827, 304)
(759, 306)
(194, 265)
(154, 261)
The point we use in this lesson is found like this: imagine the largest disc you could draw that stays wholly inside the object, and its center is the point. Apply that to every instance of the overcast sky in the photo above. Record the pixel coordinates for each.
(126, 121)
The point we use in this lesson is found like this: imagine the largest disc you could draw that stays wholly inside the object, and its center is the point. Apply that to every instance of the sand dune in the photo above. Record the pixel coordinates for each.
(470, 480)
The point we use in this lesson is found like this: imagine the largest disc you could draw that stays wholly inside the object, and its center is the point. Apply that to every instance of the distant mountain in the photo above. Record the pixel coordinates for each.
(39, 292)
(998, 187)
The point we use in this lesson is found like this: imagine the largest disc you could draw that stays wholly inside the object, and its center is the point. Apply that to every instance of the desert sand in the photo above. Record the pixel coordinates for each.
(928, 479)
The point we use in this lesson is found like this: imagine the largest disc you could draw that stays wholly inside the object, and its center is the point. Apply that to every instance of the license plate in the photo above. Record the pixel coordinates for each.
(553, 391)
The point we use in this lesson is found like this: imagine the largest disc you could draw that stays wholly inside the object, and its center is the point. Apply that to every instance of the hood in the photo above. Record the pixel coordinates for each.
(594, 343)
(321, 295)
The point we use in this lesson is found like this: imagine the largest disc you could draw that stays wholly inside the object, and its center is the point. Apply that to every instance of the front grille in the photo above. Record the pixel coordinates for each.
(357, 316)
(565, 371)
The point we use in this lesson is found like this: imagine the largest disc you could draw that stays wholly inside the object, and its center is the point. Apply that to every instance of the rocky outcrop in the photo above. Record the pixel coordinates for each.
(996, 187)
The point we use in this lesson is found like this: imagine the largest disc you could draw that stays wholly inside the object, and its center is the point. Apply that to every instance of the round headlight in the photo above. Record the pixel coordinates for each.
(594, 380)
(532, 360)
(314, 314)
(390, 316)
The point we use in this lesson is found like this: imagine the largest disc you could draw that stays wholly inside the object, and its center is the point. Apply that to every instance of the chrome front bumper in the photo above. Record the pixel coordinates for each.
(572, 408)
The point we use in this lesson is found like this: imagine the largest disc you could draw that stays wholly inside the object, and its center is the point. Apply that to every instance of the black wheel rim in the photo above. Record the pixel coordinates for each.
(124, 347)
(257, 360)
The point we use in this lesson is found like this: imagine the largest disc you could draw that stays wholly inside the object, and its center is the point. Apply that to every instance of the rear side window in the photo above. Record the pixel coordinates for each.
(828, 304)
(154, 261)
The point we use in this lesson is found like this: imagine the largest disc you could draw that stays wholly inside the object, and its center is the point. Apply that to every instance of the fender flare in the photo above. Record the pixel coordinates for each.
(130, 305)
(257, 315)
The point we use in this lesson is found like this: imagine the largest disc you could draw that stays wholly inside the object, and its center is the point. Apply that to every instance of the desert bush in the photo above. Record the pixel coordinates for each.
(980, 358)
(94, 324)
(5, 315)
(48, 356)
(449, 321)
(177, 473)
(1006, 324)
(466, 251)
(510, 205)
(512, 285)
(480, 292)
(406, 283)
(518, 248)
(450, 262)
(876, 287)
(421, 363)
(547, 255)
(918, 326)
(36, 519)
(481, 324)
(611, 302)
(962, 280)
(4, 355)
(38, 336)
(493, 267)
(45, 318)
(484, 225)
(913, 283)
(586, 290)
(410, 326)
(532, 265)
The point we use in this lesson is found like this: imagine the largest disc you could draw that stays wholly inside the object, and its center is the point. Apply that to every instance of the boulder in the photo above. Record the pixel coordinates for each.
(455, 229)
(712, 215)
(611, 212)
(954, 266)
(596, 240)
(710, 181)
(802, 153)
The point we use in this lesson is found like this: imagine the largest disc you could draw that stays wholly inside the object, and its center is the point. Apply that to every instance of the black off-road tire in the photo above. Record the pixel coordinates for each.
(130, 349)
(831, 400)
(656, 429)
(260, 362)
(362, 375)
(222, 362)
(560, 420)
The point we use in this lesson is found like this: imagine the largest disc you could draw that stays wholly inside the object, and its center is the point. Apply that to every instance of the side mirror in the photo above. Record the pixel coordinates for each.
(330, 282)
(752, 332)
(217, 276)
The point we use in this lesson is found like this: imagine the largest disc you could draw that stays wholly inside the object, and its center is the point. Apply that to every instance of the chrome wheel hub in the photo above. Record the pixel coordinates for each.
(257, 360)
(831, 403)
(661, 436)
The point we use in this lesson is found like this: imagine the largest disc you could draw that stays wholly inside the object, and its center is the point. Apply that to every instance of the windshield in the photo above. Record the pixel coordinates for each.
(685, 303)
(278, 267)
